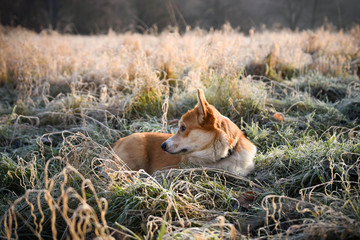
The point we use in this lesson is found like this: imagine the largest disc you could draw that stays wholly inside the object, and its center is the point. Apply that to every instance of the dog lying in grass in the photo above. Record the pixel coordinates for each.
(205, 138)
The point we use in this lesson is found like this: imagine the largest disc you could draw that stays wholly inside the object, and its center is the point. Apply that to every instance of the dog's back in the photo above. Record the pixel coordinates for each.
(143, 151)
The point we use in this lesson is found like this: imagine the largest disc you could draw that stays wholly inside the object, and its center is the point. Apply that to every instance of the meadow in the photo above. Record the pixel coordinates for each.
(64, 99)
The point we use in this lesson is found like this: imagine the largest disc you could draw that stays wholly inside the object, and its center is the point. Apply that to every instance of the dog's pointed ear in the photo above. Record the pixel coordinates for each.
(201, 106)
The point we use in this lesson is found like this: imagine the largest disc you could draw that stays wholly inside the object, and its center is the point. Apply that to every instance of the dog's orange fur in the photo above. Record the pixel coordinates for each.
(205, 137)
(143, 151)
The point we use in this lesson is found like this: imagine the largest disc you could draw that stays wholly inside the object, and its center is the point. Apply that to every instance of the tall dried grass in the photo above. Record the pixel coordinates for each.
(65, 99)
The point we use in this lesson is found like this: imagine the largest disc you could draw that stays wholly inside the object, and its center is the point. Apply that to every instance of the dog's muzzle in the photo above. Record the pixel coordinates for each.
(164, 147)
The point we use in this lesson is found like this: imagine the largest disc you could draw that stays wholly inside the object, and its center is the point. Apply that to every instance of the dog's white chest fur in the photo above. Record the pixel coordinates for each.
(240, 163)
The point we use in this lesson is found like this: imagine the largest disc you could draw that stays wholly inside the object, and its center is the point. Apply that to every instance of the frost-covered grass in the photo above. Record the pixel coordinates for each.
(65, 99)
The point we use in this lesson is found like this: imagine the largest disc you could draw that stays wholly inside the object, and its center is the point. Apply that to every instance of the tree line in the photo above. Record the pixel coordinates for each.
(98, 16)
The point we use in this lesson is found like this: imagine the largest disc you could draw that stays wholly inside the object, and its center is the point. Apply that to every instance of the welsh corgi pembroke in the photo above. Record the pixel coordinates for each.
(205, 138)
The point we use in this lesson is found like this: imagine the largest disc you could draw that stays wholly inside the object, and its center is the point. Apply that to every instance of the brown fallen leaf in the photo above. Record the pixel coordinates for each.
(246, 199)
(278, 116)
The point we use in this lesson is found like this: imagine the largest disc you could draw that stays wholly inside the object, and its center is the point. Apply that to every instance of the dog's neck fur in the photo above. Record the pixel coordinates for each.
(221, 149)
(229, 159)
(231, 151)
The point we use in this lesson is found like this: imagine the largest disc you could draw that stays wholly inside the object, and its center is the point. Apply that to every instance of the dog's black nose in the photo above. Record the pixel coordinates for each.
(163, 146)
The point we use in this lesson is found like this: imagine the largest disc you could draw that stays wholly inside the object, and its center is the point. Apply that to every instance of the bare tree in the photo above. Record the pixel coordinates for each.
(293, 11)
(314, 12)
(338, 8)
(53, 8)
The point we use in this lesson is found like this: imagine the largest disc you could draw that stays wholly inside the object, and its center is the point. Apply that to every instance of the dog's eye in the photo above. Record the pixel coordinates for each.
(182, 128)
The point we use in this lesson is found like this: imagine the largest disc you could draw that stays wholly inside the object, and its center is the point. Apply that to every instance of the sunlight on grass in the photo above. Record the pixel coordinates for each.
(65, 99)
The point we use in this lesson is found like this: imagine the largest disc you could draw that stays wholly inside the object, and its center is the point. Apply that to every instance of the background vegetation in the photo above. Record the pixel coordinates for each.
(65, 99)
(94, 16)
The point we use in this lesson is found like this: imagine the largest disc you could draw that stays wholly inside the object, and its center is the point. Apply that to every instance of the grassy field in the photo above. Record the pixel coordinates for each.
(65, 99)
